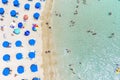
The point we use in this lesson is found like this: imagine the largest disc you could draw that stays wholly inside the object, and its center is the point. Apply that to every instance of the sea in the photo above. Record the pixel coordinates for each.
(86, 37)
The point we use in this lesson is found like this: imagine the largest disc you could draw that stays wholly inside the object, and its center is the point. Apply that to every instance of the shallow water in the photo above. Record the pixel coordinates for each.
(90, 42)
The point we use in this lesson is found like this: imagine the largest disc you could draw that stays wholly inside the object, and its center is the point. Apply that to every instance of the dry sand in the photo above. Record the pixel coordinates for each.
(6, 36)
(46, 45)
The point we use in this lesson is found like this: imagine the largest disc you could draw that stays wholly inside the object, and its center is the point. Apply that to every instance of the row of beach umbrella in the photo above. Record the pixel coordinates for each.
(18, 43)
(16, 3)
(19, 56)
(20, 69)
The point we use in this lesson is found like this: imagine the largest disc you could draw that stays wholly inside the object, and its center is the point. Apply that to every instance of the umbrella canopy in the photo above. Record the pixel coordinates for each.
(4, 1)
(20, 25)
(33, 68)
(16, 3)
(20, 69)
(36, 78)
(25, 17)
(38, 5)
(13, 13)
(32, 42)
(36, 16)
(6, 71)
(2, 11)
(19, 56)
(31, 55)
(6, 57)
(18, 43)
(6, 44)
(27, 33)
(35, 27)
(16, 31)
(27, 6)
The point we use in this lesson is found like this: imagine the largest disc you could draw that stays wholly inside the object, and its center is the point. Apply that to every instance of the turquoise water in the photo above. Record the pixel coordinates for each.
(92, 39)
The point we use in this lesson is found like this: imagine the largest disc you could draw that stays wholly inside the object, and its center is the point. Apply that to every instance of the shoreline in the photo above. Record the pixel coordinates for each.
(48, 54)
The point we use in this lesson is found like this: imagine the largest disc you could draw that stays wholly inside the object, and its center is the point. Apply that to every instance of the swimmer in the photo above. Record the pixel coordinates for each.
(110, 13)
(71, 69)
(70, 65)
(94, 33)
(68, 51)
(88, 31)
(77, 6)
(76, 12)
(80, 63)
(112, 35)
(59, 15)
(117, 70)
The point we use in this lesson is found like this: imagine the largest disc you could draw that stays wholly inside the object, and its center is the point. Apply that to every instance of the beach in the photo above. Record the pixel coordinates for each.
(22, 40)
(48, 53)
(59, 40)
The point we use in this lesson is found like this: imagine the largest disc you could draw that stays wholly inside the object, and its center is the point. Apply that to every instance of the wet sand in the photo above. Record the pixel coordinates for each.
(48, 53)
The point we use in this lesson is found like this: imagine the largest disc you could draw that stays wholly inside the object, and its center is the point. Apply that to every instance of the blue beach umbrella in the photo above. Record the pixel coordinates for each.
(36, 15)
(2, 11)
(31, 55)
(27, 6)
(4, 1)
(6, 57)
(20, 25)
(6, 44)
(20, 69)
(16, 3)
(16, 31)
(35, 78)
(38, 5)
(33, 68)
(6, 71)
(19, 56)
(18, 43)
(13, 13)
(32, 42)
(27, 33)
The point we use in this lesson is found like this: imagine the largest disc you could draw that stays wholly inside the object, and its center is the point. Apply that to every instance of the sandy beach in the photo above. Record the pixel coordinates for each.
(36, 60)
(8, 25)
(48, 53)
